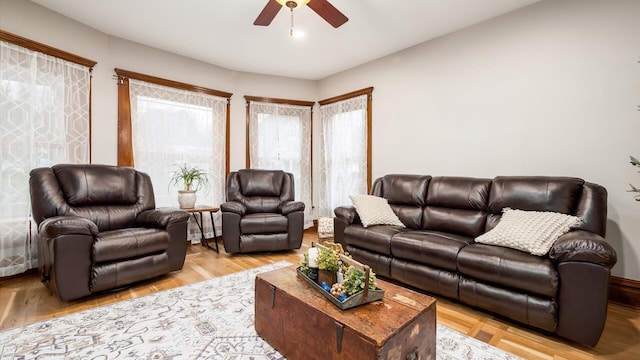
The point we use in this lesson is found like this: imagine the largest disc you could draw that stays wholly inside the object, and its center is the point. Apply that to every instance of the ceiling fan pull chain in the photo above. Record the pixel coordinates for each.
(291, 30)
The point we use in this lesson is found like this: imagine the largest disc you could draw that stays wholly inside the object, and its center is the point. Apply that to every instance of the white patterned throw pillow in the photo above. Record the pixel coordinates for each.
(374, 210)
(530, 231)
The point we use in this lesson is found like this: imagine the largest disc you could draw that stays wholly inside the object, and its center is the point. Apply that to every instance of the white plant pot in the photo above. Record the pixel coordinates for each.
(186, 199)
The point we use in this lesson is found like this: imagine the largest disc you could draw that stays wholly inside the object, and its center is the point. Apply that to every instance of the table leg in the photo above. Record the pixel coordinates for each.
(203, 240)
(215, 235)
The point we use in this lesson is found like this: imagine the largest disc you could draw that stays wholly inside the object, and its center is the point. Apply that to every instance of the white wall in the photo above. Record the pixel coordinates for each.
(34, 22)
(551, 89)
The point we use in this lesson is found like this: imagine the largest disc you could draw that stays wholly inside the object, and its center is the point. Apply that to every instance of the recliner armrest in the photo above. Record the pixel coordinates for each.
(287, 207)
(580, 245)
(234, 207)
(161, 218)
(65, 225)
(347, 214)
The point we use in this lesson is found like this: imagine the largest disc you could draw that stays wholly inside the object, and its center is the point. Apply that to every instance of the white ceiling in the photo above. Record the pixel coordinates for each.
(221, 32)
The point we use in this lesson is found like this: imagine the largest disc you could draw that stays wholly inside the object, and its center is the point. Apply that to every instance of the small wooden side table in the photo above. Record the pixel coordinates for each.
(199, 209)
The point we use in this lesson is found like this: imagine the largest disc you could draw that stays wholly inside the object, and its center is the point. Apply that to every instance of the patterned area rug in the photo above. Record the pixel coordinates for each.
(212, 319)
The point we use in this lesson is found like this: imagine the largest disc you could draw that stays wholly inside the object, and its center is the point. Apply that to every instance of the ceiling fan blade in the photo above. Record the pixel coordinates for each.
(328, 12)
(268, 13)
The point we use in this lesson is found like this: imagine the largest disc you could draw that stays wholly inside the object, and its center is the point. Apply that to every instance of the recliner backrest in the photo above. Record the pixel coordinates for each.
(260, 190)
(567, 195)
(406, 194)
(457, 205)
(110, 196)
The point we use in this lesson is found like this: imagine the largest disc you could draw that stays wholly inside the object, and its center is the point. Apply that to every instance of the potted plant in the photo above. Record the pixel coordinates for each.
(634, 189)
(354, 281)
(329, 263)
(192, 179)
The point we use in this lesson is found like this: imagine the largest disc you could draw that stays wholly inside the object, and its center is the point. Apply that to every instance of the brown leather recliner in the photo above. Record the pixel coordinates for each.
(98, 229)
(260, 213)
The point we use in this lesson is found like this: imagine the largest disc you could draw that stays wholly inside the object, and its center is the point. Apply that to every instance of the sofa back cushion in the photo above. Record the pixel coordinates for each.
(533, 193)
(457, 205)
(406, 195)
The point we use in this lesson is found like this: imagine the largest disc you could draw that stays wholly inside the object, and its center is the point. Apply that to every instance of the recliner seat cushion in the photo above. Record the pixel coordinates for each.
(263, 223)
(436, 249)
(121, 244)
(375, 238)
(509, 268)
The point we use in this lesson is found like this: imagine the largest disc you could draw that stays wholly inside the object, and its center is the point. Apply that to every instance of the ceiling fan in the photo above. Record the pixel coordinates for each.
(321, 7)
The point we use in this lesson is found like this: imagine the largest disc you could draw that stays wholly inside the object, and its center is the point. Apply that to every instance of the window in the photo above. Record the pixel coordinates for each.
(345, 149)
(279, 133)
(174, 125)
(44, 120)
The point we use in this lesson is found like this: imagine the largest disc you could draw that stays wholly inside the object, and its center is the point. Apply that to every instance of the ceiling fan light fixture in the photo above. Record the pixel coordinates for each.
(293, 3)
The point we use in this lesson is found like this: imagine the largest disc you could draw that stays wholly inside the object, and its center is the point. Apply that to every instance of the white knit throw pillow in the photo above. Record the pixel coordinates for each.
(374, 210)
(530, 231)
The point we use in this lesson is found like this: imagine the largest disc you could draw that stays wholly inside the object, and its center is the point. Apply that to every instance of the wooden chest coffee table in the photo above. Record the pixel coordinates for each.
(300, 323)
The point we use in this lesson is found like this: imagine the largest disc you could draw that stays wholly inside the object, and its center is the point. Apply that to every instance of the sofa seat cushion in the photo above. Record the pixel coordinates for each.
(434, 248)
(375, 238)
(263, 223)
(115, 245)
(509, 268)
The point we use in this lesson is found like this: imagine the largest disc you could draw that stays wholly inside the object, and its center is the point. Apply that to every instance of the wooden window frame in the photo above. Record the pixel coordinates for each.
(369, 92)
(125, 136)
(249, 99)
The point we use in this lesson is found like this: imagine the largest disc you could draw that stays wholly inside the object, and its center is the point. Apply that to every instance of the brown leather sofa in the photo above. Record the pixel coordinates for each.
(260, 213)
(98, 229)
(564, 292)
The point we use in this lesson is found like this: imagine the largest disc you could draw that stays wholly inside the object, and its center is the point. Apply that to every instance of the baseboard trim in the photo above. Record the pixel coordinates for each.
(624, 292)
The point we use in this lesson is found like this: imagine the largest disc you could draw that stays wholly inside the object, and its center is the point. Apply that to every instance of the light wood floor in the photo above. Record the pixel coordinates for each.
(25, 300)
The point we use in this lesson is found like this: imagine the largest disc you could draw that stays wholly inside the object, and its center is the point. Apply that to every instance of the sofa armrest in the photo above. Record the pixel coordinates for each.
(287, 207)
(161, 218)
(66, 225)
(347, 214)
(580, 245)
(234, 207)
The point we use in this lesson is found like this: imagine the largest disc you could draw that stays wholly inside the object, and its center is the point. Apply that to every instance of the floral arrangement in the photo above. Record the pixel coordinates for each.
(354, 281)
(330, 258)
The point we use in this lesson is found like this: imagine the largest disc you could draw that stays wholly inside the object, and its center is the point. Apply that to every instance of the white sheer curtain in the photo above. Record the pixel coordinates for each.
(280, 139)
(44, 120)
(343, 153)
(171, 127)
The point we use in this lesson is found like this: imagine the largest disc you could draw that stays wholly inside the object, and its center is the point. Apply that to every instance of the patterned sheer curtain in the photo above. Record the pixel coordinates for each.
(343, 153)
(172, 126)
(280, 139)
(44, 120)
